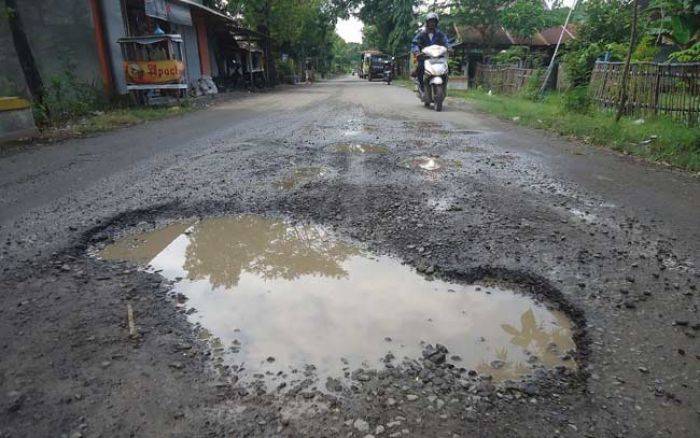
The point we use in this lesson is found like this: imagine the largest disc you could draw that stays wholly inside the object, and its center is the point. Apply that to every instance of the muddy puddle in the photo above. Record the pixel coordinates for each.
(442, 204)
(425, 163)
(360, 148)
(300, 176)
(437, 128)
(273, 297)
(364, 129)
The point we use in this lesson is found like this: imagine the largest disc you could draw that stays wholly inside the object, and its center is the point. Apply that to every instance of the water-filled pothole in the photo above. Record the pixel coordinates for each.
(424, 163)
(466, 132)
(300, 175)
(273, 297)
(360, 148)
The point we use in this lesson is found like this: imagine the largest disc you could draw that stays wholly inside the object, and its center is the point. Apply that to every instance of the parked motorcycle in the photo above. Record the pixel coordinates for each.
(388, 75)
(434, 90)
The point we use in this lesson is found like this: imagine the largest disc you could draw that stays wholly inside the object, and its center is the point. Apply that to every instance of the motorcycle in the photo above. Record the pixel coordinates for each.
(434, 88)
(388, 74)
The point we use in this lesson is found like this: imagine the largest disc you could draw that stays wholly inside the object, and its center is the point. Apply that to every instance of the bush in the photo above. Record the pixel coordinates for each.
(579, 63)
(646, 50)
(688, 55)
(512, 55)
(454, 66)
(531, 90)
(285, 69)
(66, 97)
(616, 51)
(577, 100)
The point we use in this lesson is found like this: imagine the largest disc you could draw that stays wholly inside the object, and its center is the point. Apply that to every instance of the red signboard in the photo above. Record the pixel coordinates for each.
(154, 72)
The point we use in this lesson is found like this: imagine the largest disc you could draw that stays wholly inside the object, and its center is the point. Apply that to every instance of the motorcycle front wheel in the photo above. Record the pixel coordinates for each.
(428, 95)
(439, 93)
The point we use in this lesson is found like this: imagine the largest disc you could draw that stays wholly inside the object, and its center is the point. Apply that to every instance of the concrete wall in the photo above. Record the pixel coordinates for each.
(16, 119)
(61, 36)
(11, 77)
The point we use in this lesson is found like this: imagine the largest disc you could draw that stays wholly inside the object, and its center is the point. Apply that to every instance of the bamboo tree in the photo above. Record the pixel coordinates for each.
(628, 59)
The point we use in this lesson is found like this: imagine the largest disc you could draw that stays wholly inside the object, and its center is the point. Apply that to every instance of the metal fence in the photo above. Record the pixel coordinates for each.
(670, 89)
(500, 79)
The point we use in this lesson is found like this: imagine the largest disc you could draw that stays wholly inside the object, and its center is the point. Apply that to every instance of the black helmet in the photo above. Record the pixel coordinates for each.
(432, 16)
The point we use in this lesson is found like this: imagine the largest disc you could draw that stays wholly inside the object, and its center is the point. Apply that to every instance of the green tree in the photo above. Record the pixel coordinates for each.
(301, 28)
(523, 18)
(404, 23)
(604, 27)
(605, 21)
(371, 39)
(345, 55)
(376, 15)
(482, 15)
(679, 22)
(389, 24)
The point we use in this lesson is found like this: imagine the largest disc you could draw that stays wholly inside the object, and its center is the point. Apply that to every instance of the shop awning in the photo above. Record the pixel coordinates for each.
(151, 39)
(206, 9)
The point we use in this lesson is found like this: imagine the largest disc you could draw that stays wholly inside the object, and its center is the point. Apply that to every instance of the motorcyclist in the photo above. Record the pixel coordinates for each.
(428, 35)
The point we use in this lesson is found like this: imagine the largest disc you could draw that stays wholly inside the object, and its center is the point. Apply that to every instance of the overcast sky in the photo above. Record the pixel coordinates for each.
(351, 30)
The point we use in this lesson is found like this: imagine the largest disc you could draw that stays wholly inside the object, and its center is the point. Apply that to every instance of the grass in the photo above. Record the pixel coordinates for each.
(102, 121)
(659, 139)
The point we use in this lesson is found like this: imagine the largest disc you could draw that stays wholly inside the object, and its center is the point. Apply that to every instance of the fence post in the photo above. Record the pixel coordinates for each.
(657, 89)
(604, 90)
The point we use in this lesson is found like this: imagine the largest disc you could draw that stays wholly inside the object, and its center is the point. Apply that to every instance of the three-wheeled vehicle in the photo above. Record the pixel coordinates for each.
(373, 64)
(154, 67)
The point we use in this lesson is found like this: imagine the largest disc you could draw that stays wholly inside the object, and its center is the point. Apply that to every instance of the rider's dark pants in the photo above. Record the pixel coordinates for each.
(420, 71)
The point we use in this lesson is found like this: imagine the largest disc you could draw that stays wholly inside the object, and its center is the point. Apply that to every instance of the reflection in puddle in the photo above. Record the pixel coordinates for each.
(360, 148)
(143, 248)
(583, 215)
(273, 297)
(543, 346)
(441, 204)
(299, 176)
(424, 163)
(355, 131)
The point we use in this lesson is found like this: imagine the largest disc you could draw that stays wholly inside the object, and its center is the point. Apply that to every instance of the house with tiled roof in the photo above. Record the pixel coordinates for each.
(474, 45)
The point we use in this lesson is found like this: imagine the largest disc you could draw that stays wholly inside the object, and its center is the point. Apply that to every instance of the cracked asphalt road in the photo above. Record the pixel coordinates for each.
(615, 240)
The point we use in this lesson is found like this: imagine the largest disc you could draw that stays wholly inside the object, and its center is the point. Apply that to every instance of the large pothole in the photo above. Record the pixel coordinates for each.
(300, 176)
(274, 297)
(428, 163)
(360, 148)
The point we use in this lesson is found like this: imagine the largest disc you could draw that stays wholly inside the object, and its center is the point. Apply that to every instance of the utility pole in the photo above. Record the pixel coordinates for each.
(550, 67)
(626, 70)
(24, 54)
